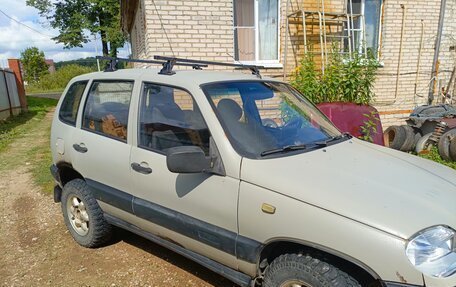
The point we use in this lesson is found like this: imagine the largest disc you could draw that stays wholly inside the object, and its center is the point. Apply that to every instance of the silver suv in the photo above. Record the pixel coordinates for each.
(243, 175)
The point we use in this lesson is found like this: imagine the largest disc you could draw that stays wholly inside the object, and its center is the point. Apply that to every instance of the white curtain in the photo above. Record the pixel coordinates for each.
(268, 29)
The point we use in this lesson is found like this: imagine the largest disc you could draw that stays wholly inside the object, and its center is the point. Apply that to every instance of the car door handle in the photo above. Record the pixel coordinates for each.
(80, 148)
(141, 168)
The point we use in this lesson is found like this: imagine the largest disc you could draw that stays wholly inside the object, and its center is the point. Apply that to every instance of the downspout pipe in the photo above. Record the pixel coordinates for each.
(436, 51)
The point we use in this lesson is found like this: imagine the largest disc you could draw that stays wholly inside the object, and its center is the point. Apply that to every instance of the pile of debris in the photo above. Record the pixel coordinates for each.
(427, 126)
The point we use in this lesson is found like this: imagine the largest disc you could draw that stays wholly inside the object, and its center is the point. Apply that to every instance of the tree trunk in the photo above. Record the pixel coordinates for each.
(113, 51)
(104, 44)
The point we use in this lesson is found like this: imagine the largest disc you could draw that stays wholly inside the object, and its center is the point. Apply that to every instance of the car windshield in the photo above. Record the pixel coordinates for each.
(263, 118)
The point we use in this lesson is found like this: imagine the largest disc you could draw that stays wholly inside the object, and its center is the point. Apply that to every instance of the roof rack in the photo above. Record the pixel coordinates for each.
(169, 62)
(112, 64)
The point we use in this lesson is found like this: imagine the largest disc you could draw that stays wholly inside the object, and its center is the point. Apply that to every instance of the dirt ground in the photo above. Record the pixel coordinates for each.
(37, 250)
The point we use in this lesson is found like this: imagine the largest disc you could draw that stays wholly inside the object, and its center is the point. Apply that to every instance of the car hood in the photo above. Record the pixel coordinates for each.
(389, 190)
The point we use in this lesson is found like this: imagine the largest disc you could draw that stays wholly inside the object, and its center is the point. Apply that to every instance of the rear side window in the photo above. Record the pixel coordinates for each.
(70, 105)
(106, 108)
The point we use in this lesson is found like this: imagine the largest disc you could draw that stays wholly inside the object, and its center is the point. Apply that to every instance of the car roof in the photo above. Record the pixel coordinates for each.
(182, 77)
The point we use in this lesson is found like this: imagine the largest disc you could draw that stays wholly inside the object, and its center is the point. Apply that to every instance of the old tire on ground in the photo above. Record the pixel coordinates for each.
(395, 137)
(409, 141)
(453, 149)
(444, 144)
(83, 216)
(423, 144)
(303, 270)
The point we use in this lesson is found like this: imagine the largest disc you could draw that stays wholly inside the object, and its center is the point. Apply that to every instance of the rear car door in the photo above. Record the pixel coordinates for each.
(199, 210)
(100, 147)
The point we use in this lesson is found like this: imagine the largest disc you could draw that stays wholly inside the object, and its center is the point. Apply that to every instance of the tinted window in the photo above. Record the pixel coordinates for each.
(70, 104)
(106, 109)
(169, 117)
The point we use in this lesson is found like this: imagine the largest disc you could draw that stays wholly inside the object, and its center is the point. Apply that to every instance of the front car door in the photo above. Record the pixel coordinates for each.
(100, 148)
(197, 211)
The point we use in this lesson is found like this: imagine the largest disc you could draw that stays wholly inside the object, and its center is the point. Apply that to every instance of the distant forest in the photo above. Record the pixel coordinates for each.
(90, 62)
(87, 62)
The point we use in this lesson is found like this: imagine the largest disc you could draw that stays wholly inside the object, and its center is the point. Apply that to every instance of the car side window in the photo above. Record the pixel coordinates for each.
(106, 108)
(70, 104)
(169, 117)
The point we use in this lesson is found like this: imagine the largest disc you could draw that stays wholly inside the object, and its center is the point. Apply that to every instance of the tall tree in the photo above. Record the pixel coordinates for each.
(74, 18)
(34, 64)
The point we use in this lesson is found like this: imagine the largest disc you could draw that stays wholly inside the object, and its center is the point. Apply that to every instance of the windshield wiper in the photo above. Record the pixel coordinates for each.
(284, 149)
(332, 139)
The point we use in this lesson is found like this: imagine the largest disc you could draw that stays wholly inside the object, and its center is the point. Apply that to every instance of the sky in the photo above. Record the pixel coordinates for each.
(14, 37)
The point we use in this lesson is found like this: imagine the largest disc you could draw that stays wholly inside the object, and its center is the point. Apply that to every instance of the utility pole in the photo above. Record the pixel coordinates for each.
(96, 51)
(436, 52)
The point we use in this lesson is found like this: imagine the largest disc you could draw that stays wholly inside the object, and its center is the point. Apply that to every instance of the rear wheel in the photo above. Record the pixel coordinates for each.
(453, 149)
(444, 144)
(83, 216)
(293, 270)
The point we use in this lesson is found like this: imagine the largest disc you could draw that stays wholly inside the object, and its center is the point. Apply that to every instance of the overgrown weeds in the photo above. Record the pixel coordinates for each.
(344, 79)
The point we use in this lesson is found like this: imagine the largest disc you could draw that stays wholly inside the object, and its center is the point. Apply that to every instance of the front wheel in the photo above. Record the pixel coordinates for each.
(294, 270)
(83, 216)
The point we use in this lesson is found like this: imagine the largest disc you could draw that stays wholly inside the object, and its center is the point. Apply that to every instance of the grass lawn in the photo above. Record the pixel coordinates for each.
(434, 155)
(24, 139)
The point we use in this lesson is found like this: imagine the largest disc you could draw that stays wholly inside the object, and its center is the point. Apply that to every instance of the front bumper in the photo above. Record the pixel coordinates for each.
(397, 284)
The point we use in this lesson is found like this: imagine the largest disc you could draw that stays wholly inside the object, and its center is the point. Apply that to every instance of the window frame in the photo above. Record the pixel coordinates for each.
(138, 118)
(61, 119)
(362, 31)
(87, 99)
(257, 61)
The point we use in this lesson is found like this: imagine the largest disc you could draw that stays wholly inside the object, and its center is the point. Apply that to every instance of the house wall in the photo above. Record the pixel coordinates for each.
(394, 107)
(197, 29)
(203, 29)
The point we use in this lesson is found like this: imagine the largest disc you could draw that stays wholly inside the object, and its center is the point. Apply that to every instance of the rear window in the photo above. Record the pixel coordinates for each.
(70, 105)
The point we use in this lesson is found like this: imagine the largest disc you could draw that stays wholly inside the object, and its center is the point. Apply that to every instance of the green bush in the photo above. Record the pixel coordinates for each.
(57, 81)
(343, 80)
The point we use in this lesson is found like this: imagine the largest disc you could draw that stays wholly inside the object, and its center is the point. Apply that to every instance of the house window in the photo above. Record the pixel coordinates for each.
(256, 31)
(372, 12)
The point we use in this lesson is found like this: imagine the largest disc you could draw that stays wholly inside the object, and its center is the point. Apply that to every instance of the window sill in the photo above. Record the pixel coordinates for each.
(266, 65)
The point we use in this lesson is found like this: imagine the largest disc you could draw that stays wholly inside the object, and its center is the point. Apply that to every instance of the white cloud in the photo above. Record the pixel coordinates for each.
(16, 37)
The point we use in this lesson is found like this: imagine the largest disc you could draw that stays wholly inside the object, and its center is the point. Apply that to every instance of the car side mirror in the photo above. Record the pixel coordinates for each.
(187, 159)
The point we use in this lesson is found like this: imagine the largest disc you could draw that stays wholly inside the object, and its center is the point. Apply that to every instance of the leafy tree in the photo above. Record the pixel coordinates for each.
(73, 18)
(34, 64)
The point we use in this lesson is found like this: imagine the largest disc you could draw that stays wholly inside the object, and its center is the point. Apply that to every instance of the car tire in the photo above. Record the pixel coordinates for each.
(395, 137)
(83, 216)
(444, 144)
(409, 139)
(422, 144)
(453, 149)
(295, 269)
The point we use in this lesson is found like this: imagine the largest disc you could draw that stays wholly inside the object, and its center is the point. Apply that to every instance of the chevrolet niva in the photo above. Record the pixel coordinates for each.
(245, 176)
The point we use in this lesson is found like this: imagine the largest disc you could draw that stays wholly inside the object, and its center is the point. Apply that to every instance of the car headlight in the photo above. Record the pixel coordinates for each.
(433, 251)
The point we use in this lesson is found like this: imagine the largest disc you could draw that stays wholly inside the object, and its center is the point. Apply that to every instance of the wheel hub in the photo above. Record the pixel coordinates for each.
(295, 283)
(78, 216)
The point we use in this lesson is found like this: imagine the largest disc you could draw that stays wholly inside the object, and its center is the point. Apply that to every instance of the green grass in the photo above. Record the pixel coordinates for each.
(24, 140)
(14, 127)
(434, 156)
(36, 91)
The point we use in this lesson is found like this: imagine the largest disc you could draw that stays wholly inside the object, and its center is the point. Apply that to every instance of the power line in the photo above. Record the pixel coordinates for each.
(25, 25)
(163, 28)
